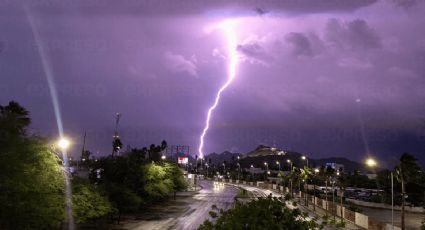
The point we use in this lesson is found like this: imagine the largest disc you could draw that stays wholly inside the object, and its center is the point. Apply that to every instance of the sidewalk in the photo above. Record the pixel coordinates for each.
(319, 212)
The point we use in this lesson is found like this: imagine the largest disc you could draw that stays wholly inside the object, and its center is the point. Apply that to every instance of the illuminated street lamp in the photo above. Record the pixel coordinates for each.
(304, 158)
(267, 170)
(316, 171)
(163, 157)
(372, 163)
(239, 169)
(63, 143)
(290, 163)
(278, 163)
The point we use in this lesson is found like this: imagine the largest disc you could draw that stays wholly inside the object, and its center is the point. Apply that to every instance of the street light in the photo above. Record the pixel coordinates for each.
(206, 165)
(372, 163)
(290, 163)
(239, 169)
(63, 143)
(316, 171)
(304, 158)
(267, 170)
(278, 163)
(163, 157)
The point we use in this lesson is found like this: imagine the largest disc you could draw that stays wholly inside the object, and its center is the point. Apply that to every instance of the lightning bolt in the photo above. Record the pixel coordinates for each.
(229, 28)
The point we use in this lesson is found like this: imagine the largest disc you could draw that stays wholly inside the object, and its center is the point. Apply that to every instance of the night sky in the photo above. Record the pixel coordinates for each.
(312, 74)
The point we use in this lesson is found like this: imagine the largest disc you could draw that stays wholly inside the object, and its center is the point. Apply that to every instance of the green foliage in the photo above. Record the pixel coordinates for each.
(287, 196)
(213, 214)
(132, 180)
(264, 213)
(341, 224)
(125, 200)
(89, 202)
(158, 182)
(31, 177)
(177, 177)
(243, 193)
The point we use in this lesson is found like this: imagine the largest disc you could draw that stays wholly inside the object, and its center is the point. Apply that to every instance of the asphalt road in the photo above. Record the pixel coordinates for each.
(413, 220)
(186, 212)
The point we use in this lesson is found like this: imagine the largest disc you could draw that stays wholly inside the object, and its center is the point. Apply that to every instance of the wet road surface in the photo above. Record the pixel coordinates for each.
(185, 212)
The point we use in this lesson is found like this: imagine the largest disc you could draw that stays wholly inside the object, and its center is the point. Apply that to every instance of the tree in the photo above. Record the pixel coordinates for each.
(116, 144)
(264, 213)
(89, 201)
(31, 176)
(342, 183)
(14, 119)
(176, 175)
(158, 184)
(305, 174)
(407, 169)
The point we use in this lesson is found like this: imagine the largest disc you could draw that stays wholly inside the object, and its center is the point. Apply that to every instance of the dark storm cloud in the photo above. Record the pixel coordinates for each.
(405, 3)
(300, 44)
(167, 7)
(352, 34)
(153, 62)
(254, 52)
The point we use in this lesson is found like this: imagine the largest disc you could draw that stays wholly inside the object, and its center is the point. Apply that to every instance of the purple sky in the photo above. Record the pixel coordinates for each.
(311, 73)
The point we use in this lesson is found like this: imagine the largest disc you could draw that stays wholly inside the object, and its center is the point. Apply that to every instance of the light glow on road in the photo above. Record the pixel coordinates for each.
(229, 28)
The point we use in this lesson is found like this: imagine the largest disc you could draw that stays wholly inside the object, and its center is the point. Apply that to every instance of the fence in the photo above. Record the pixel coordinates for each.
(333, 208)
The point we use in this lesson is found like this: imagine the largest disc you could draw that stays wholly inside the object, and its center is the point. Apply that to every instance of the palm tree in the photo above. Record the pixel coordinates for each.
(14, 118)
(326, 174)
(295, 176)
(342, 183)
(305, 175)
(407, 169)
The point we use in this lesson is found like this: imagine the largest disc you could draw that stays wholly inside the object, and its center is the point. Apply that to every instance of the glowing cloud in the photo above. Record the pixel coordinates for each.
(229, 28)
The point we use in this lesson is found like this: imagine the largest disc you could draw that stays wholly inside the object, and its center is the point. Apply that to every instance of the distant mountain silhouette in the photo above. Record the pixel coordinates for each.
(271, 155)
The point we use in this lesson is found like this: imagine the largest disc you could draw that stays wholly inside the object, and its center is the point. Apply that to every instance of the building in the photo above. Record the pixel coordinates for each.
(335, 166)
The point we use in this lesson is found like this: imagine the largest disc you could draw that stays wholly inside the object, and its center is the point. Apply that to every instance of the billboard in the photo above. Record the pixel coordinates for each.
(182, 160)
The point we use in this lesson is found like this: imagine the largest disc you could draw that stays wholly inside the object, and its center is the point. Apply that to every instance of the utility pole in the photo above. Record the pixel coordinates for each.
(83, 150)
(116, 143)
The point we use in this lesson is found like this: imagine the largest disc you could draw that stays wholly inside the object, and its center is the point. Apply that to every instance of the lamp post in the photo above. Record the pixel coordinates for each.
(316, 171)
(63, 145)
(372, 163)
(239, 169)
(333, 197)
(290, 163)
(206, 165)
(202, 159)
(267, 170)
(304, 158)
(278, 163)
